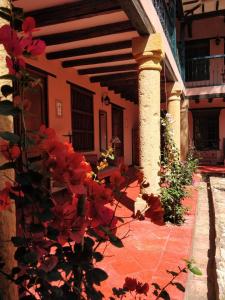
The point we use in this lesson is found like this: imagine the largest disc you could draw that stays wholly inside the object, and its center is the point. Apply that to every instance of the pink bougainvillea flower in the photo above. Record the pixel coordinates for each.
(165, 185)
(98, 193)
(130, 284)
(142, 288)
(15, 152)
(28, 25)
(10, 66)
(36, 47)
(9, 152)
(116, 179)
(49, 132)
(10, 40)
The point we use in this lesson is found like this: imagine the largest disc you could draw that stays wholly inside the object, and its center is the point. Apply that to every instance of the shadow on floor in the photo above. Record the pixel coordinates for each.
(211, 267)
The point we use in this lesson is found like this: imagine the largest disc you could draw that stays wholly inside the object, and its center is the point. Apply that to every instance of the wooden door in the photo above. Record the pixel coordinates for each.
(118, 130)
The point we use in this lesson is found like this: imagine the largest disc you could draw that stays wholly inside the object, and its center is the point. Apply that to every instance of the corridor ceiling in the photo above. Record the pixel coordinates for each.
(94, 37)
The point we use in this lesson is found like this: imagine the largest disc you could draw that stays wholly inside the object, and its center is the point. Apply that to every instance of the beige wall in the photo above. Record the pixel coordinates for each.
(59, 89)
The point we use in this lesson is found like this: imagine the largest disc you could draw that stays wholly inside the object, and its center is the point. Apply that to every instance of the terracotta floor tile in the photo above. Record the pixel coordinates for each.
(149, 249)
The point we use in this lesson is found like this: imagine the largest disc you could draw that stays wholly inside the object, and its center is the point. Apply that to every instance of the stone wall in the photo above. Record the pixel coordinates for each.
(218, 192)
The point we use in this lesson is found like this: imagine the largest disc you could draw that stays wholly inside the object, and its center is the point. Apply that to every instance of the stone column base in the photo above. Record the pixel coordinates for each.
(140, 205)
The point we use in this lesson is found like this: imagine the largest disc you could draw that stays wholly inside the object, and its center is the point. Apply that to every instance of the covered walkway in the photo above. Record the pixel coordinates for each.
(149, 249)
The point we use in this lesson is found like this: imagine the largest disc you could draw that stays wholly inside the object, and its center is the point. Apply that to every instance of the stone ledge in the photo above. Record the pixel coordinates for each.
(218, 193)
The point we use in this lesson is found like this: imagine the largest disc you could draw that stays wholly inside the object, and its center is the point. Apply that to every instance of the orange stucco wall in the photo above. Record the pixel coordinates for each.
(207, 28)
(219, 155)
(59, 89)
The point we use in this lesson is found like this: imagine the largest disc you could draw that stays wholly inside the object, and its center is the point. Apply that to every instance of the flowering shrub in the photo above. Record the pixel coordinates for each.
(175, 175)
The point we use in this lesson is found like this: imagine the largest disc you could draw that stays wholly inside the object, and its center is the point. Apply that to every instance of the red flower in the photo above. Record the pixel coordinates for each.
(10, 40)
(15, 152)
(28, 25)
(4, 197)
(130, 284)
(165, 185)
(10, 152)
(142, 288)
(36, 47)
(98, 193)
(10, 66)
(116, 179)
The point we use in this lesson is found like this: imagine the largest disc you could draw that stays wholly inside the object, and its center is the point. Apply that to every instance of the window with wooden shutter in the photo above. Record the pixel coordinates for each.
(82, 119)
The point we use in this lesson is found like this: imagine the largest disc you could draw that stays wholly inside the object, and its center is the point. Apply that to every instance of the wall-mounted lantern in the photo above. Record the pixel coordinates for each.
(106, 99)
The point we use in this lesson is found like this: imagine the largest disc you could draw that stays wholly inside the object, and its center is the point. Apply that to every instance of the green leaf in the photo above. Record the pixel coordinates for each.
(164, 295)
(36, 228)
(52, 233)
(179, 286)
(30, 258)
(8, 165)
(10, 137)
(15, 270)
(5, 10)
(115, 241)
(18, 241)
(5, 16)
(96, 276)
(6, 90)
(98, 256)
(7, 108)
(53, 275)
(8, 76)
(172, 273)
(156, 286)
(45, 215)
(195, 270)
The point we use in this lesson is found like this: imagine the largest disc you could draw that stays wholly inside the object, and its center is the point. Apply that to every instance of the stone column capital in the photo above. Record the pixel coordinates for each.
(148, 51)
(174, 91)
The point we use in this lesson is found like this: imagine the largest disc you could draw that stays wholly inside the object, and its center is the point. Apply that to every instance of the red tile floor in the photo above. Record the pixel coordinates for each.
(149, 249)
(212, 169)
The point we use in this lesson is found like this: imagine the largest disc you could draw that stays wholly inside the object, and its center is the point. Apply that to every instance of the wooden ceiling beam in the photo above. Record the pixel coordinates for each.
(96, 60)
(130, 67)
(123, 85)
(90, 50)
(116, 77)
(129, 81)
(86, 33)
(73, 11)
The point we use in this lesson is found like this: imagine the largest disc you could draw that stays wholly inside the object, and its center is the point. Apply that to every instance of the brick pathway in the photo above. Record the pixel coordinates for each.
(149, 249)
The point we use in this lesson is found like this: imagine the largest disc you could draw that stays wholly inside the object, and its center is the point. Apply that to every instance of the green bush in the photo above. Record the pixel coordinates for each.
(175, 175)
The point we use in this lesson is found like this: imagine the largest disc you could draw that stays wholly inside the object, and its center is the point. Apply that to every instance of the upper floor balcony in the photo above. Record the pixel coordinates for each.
(205, 71)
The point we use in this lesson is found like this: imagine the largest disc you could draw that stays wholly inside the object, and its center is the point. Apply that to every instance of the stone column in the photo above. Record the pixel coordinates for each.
(174, 99)
(184, 129)
(148, 52)
(7, 217)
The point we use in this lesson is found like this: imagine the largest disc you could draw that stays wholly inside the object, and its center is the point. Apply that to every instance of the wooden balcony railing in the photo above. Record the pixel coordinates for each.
(205, 71)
